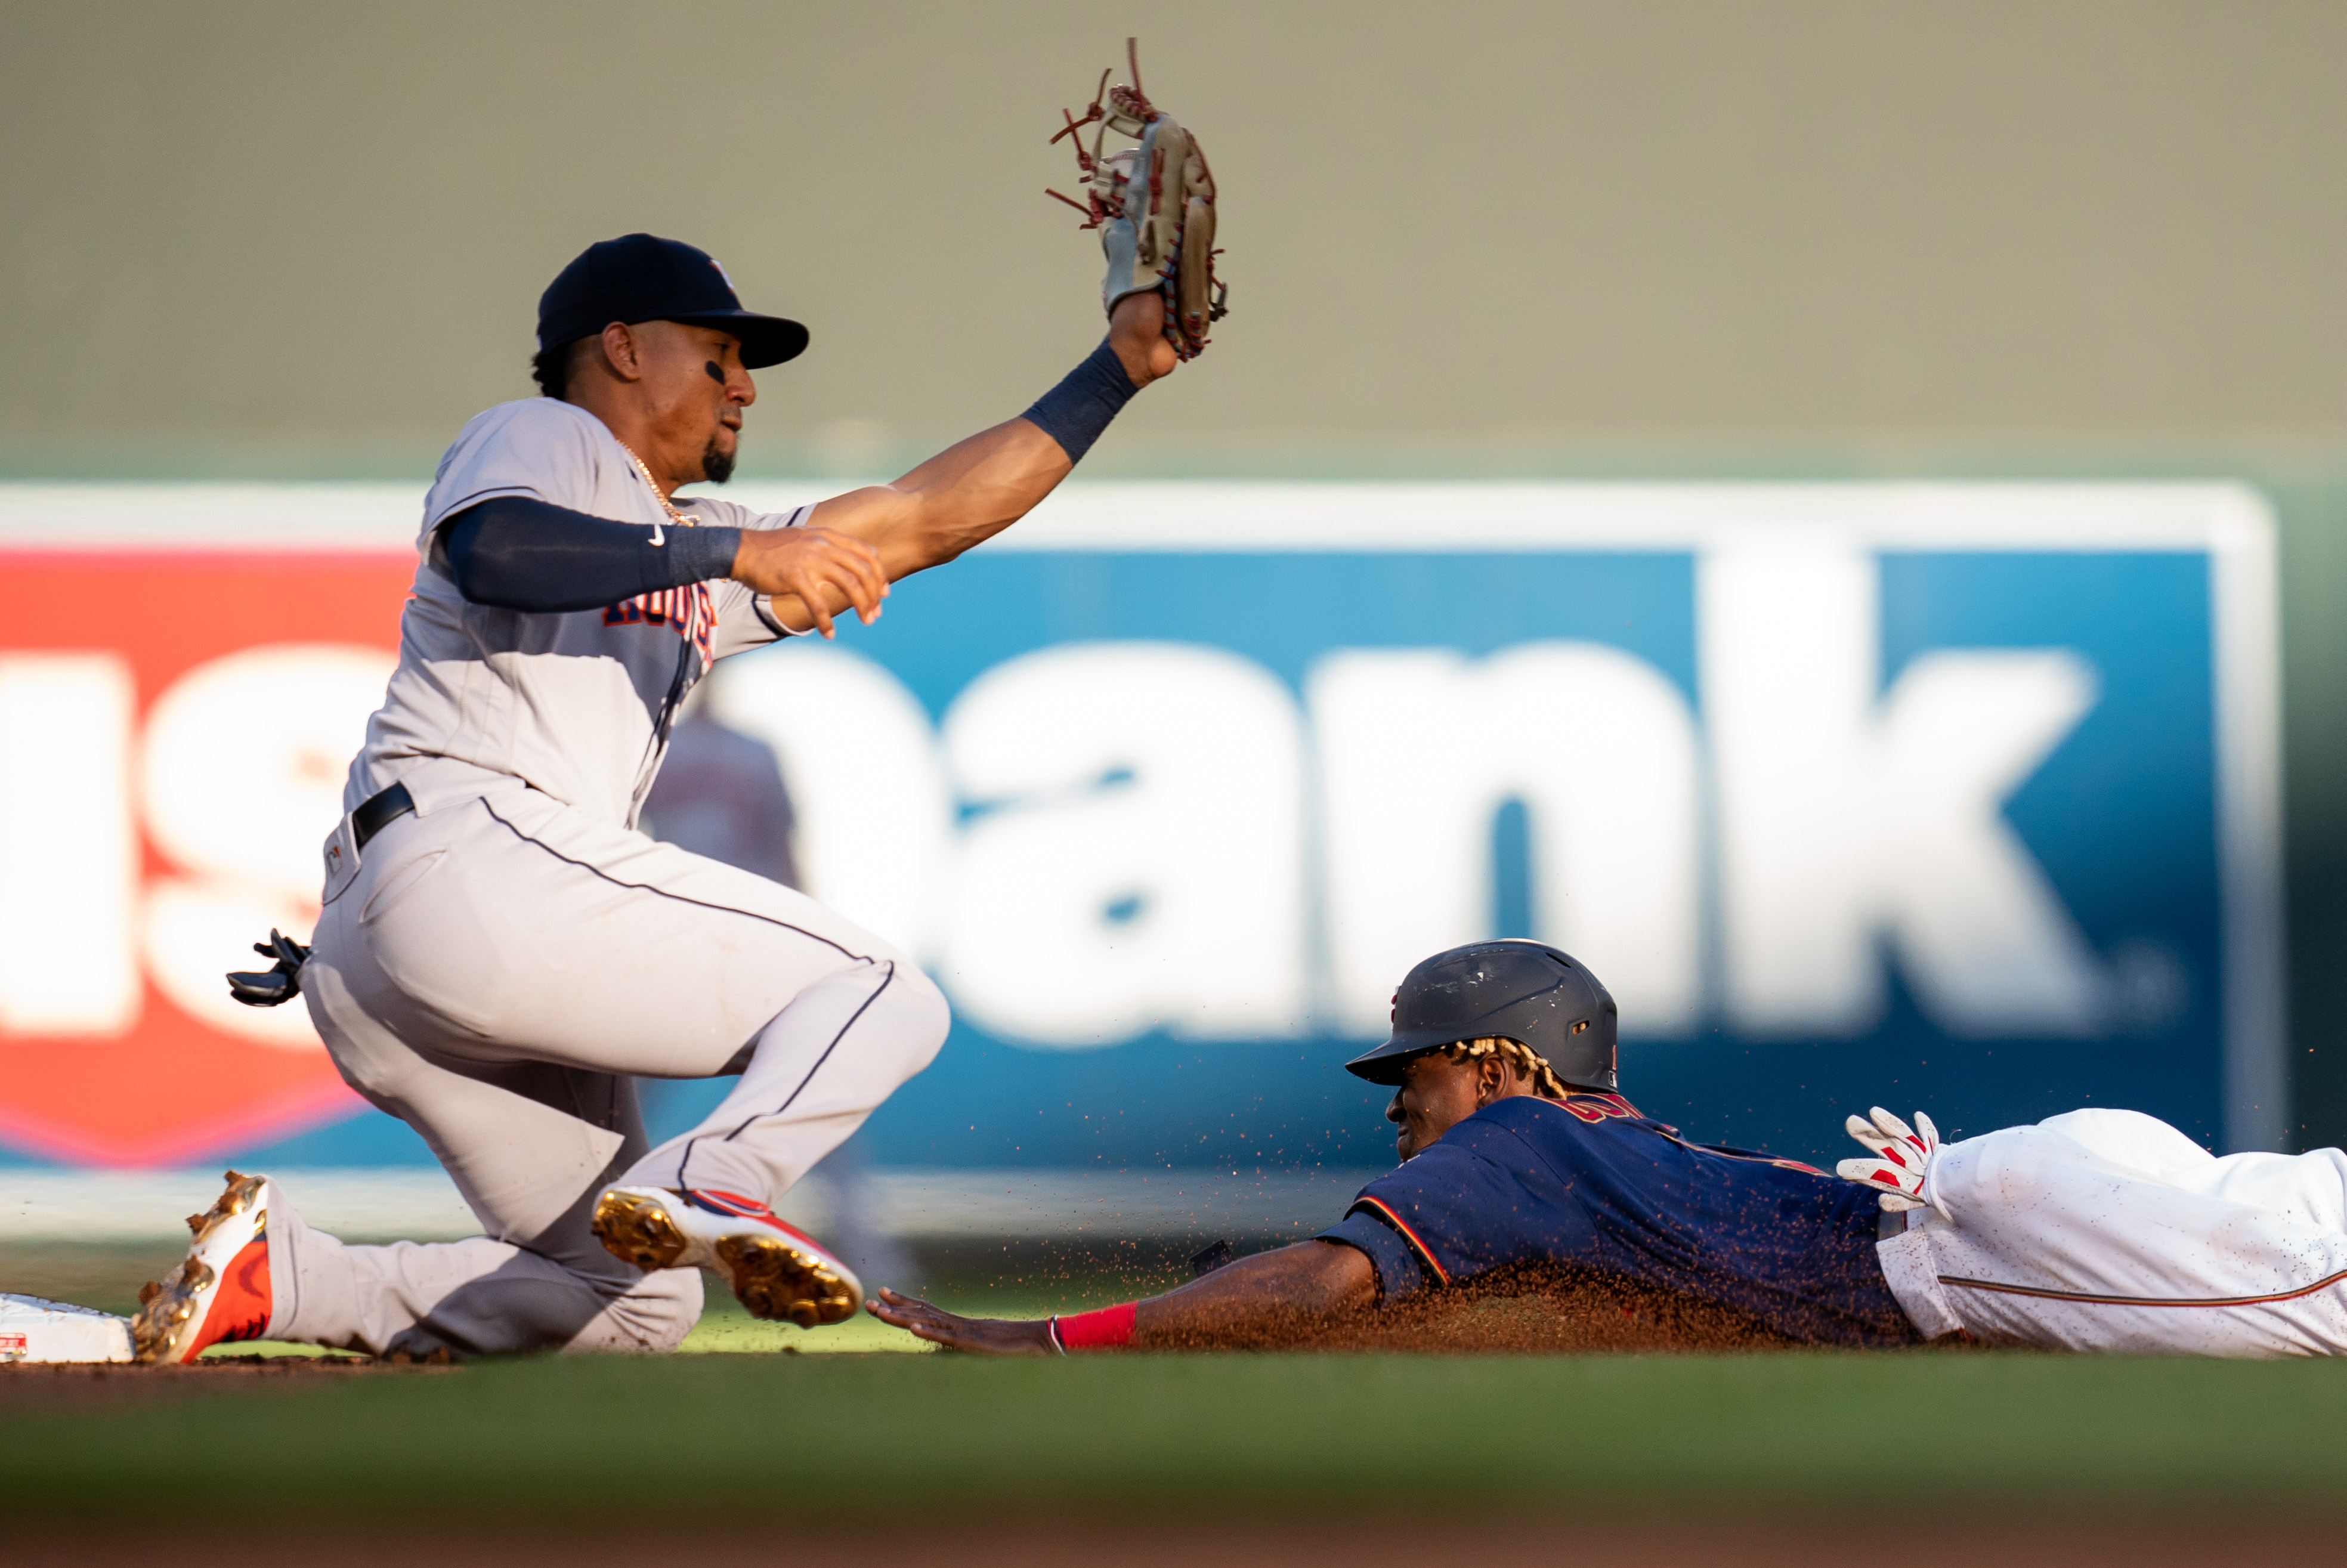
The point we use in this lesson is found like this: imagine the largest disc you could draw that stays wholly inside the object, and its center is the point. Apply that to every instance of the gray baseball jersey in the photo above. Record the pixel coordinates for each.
(497, 965)
(577, 705)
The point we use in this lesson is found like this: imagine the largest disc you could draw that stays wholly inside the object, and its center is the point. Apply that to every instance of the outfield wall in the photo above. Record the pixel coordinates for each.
(1957, 796)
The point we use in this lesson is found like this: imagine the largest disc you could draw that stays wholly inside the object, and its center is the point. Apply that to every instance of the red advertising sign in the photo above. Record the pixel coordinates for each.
(174, 730)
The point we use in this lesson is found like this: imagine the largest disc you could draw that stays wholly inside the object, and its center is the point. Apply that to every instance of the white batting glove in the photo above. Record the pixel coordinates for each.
(1902, 1157)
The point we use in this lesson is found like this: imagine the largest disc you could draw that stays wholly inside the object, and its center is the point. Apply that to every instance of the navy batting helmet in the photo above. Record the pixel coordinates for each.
(1541, 999)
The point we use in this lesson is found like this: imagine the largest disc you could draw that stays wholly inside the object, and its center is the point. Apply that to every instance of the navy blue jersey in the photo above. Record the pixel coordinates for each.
(1588, 1183)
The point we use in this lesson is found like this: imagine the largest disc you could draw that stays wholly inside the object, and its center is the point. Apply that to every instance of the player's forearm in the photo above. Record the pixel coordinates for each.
(516, 552)
(962, 497)
(1275, 1297)
(966, 494)
(977, 487)
(1285, 1296)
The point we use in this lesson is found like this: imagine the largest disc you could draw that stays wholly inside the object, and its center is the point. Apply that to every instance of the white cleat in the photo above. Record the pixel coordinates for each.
(219, 1292)
(777, 1271)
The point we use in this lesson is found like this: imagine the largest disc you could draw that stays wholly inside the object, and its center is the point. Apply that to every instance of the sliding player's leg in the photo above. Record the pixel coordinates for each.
(2107, 1230)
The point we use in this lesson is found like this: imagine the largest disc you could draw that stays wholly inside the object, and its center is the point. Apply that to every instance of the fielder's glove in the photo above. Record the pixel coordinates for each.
(277, 985)
(1155, 207)
(1902, 1157)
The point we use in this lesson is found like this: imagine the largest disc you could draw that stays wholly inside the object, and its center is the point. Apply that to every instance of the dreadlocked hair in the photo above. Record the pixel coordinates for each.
(1545, 1082)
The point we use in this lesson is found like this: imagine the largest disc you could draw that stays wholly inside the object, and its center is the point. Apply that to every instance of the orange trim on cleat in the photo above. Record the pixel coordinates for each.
(241, 1307)
(220, 1292)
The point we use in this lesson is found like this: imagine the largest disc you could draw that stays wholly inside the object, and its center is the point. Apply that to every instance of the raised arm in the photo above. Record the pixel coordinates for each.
(973, 489)
(1286, 1295)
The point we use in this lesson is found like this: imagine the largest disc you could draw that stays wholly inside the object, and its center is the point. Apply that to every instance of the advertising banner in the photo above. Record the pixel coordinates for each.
(1959, 798)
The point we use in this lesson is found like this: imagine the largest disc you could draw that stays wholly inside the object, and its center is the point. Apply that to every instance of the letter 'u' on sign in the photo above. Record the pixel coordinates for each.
(1419, 748)
(68, 854)
(1135, 859)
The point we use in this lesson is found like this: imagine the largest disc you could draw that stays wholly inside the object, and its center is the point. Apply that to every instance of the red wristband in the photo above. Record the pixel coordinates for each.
(1110, 1328)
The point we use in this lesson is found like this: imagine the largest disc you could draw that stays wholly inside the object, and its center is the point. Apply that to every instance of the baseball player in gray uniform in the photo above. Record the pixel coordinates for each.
(501, 952)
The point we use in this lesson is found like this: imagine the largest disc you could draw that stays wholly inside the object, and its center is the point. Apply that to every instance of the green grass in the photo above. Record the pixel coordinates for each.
(104, 1274)
(897, 1437)
(853, 1438)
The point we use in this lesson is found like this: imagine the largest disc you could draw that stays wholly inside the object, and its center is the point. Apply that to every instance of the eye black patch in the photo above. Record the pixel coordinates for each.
(715, 373)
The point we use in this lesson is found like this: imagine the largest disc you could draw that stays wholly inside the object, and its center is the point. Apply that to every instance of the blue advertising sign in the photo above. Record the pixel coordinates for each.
(1952, 797)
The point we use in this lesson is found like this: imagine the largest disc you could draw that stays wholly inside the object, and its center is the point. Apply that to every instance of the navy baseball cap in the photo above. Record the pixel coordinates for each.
(644, 278)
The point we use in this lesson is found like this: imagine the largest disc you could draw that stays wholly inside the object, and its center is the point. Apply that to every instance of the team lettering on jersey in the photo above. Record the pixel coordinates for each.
(691, 612)
(1592, 1107)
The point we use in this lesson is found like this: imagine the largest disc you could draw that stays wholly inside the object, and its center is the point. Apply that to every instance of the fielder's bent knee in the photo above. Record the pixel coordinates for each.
(928, 1017)
(923, 991)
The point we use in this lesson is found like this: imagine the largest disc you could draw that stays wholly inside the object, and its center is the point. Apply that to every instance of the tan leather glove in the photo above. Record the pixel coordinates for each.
(1155, 207)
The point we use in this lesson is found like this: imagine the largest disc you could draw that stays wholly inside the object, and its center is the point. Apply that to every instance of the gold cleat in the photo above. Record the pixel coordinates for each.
(221, 1290)
(165, 1309)
(777, 1271)
(782, 1283)
(635, 1226)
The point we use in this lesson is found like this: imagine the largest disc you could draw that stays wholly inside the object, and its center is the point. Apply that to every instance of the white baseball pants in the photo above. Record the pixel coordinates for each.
(495, 974)
(2109, 1230)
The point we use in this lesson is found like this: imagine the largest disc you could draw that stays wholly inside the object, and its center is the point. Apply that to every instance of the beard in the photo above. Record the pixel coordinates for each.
(717, 463)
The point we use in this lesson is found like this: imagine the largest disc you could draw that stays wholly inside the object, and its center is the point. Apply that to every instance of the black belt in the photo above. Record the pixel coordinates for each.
(379, 812)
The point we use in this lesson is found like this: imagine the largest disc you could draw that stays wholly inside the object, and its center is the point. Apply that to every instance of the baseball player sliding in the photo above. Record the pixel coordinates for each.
(2097, 1230)
(500, 952)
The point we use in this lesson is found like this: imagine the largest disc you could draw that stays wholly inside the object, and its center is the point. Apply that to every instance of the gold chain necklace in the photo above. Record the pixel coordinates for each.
(679, 519)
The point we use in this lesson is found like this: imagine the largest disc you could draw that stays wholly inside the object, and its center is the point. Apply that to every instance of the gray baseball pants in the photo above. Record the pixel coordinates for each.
(497, 971)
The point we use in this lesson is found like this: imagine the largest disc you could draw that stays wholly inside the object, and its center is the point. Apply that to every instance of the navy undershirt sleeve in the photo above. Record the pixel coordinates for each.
(1399, 1273)
(516, 552)
(1075, 411)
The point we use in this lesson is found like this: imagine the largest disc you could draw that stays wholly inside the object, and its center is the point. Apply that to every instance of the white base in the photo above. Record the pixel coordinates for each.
(32, 1330)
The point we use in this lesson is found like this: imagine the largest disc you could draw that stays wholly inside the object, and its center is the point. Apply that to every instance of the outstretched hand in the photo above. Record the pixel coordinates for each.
(1136, 334)
(1901, 1166)
(817, 566)
(981, 1336)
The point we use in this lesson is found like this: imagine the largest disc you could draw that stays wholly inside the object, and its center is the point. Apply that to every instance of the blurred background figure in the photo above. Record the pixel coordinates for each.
(721, 794)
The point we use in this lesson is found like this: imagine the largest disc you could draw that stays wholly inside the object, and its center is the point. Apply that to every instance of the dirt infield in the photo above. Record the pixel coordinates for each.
(1507, 1315)
(34, 1387)
(1535, 1311)
(1514, 1312)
